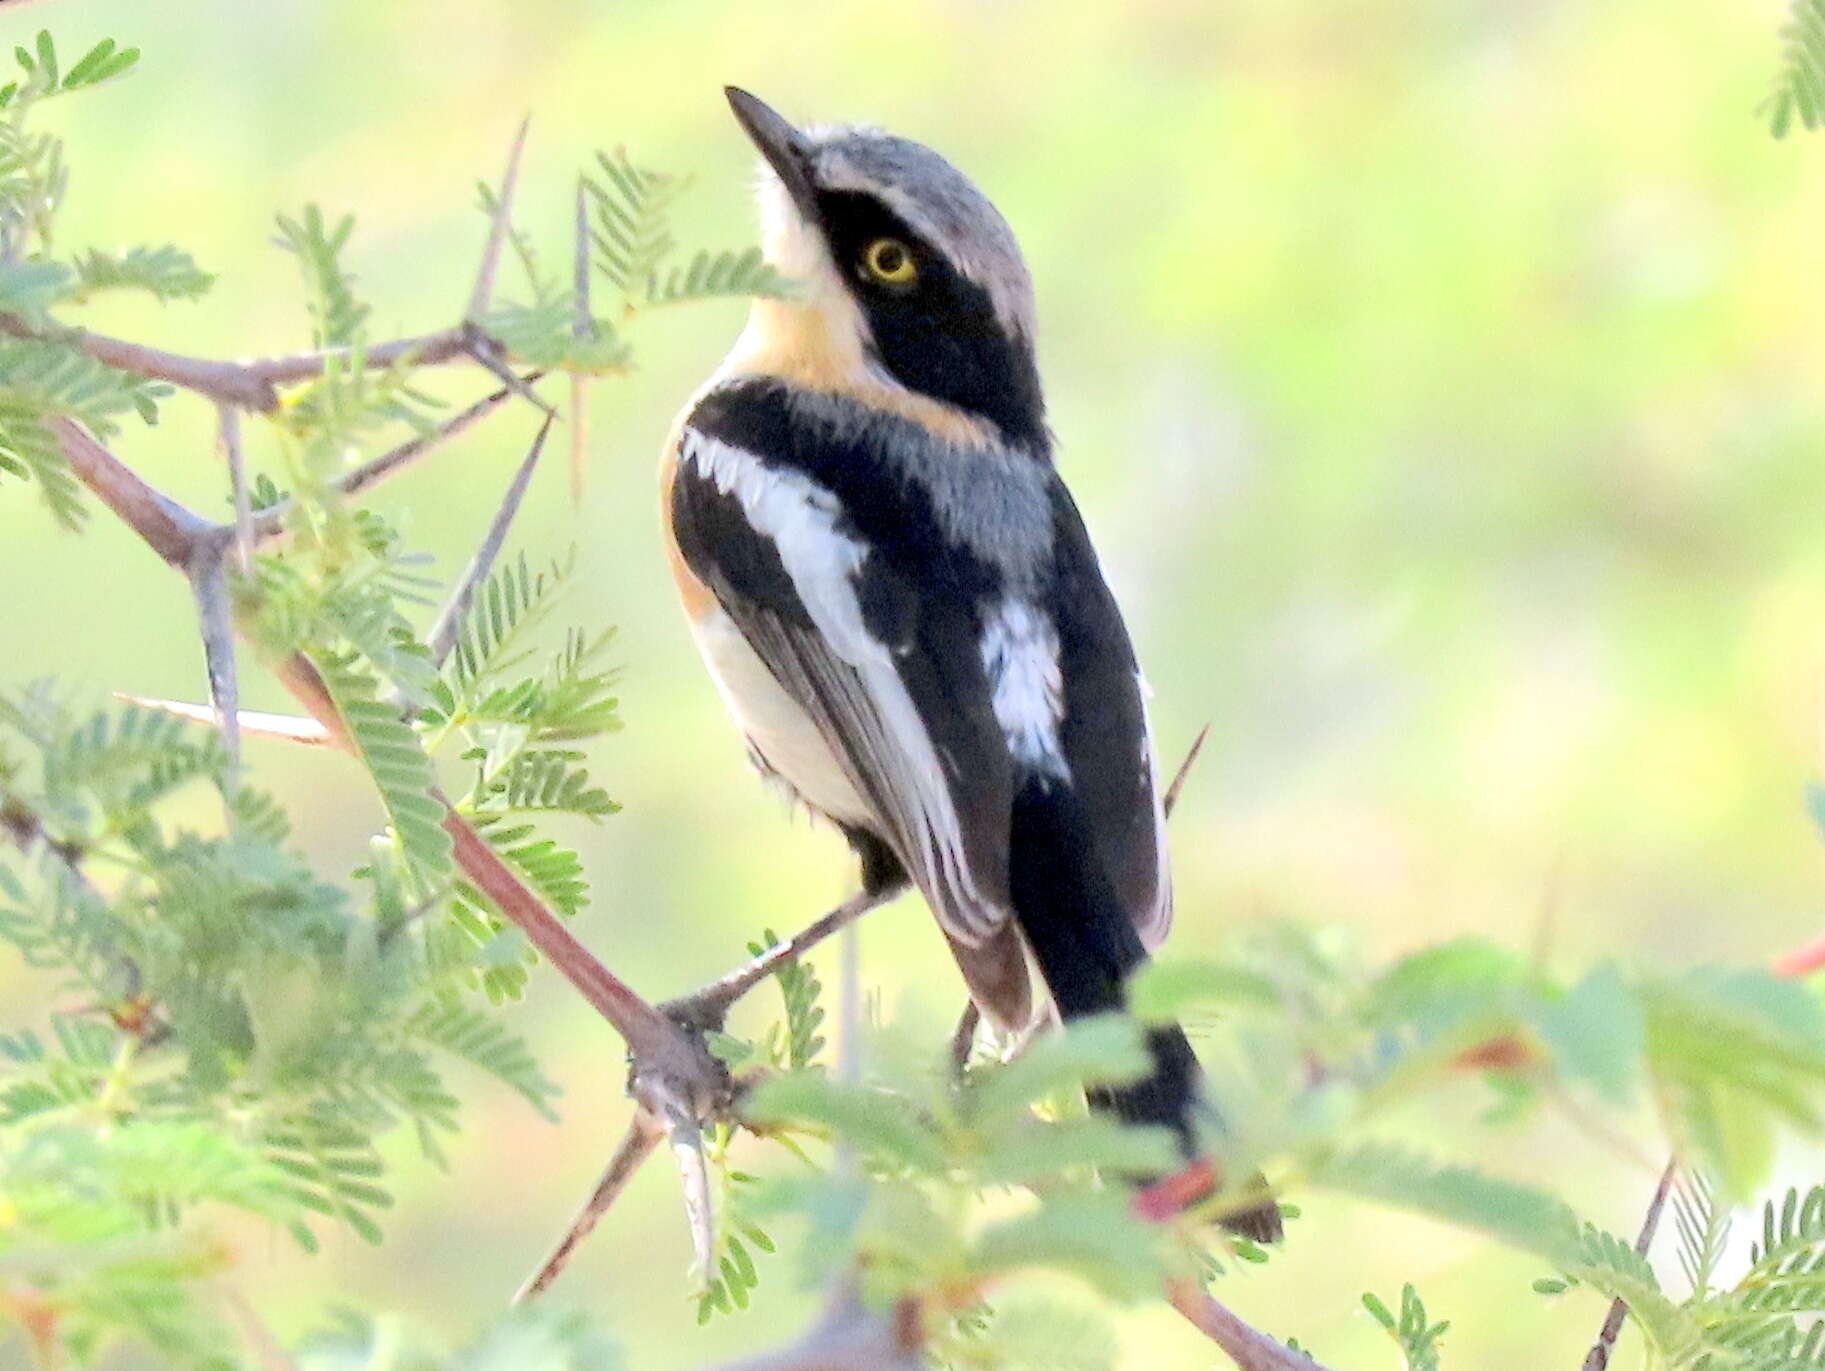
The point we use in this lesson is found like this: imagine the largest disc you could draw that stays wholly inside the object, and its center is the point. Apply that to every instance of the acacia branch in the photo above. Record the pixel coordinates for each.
(249, 385)
(1247, 1347)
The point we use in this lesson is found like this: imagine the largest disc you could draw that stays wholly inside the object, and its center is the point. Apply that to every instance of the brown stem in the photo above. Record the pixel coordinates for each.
(1599, 1356)
(270, 522)
(657, 1044)
(169, 529)
(1249, 1349)
(718, 995)
(251, 384)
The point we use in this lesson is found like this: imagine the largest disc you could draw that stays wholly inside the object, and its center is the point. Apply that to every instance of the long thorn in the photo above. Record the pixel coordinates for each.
(228, 438)
(643, 1135)
(497, 230)
(253, 723)
(1178, 781)
(449, 619)
(685, 1134)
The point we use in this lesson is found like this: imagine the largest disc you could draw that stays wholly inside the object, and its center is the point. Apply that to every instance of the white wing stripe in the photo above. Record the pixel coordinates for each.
(1020, 655)
(800, 518)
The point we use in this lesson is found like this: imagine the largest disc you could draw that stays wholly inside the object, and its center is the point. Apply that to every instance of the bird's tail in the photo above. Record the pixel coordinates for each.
(1086, 946)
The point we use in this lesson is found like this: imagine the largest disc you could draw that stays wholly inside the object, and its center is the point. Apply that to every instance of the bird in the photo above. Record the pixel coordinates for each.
(898, 600)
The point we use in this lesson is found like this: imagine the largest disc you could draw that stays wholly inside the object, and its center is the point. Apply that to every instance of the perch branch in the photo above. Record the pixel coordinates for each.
(718, 995)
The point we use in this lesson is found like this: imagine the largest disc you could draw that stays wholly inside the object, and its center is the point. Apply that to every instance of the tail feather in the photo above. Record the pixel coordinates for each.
(1086, 946)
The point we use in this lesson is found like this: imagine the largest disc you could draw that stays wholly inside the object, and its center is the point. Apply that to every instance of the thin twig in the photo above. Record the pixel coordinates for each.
(209, 585)
(228, 438)
(582, 326)
(1178, 780)
(270, 522)
(1249, 1349)
(294, 728)
(657, 1043)
(643, 1135)
(227, 383)
(498, 229)
(1599, 1356)
(250, 384)
(492, 358)
(424, 350)
(442, 636)
(720, 994)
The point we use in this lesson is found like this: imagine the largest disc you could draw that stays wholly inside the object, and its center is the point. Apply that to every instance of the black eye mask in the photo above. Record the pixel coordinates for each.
(936, 333)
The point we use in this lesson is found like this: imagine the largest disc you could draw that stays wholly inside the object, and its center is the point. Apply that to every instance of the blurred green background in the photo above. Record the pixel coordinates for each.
(1441, 379)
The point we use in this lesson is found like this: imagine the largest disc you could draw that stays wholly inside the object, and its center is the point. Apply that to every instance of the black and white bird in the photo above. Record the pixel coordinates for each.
(897, 597)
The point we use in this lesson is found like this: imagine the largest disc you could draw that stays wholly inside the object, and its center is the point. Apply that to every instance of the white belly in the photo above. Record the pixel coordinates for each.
(776, 725)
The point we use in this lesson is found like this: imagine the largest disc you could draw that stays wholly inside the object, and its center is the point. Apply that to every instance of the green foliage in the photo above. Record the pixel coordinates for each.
(165, 273)
(1412, 1330)
(1701, 1220)
(337, 317)
(396, 762)
(248, 1036)
(39, 378)
(1800, 91)
(532, 1338)
(913, 1218)
(635, 244)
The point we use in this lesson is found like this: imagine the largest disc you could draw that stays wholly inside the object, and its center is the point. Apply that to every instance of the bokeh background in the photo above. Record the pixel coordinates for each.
(1442, 380)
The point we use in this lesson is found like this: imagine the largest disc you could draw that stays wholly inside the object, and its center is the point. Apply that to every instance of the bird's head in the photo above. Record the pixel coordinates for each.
(906, 278)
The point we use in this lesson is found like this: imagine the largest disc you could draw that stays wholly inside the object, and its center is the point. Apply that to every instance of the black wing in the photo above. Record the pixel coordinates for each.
(890, 672)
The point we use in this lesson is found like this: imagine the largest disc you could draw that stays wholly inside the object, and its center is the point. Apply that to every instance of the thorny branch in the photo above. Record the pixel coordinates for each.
(677, 1085)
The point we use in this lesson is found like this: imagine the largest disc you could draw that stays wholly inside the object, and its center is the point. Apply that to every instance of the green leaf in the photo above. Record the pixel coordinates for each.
(1105, 1049)
(1169, 989)
(1799, 91)
(884, 1126)
(1597, 1034)
(1519, 1215)
(397, 763)
(1091, 1236)
(166, 273)
(338, 317)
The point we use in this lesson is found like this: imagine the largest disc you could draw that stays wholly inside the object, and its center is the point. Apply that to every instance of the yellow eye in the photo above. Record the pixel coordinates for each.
(889, 261)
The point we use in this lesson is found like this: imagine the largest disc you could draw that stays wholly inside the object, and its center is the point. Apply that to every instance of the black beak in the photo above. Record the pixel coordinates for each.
(783, 146)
